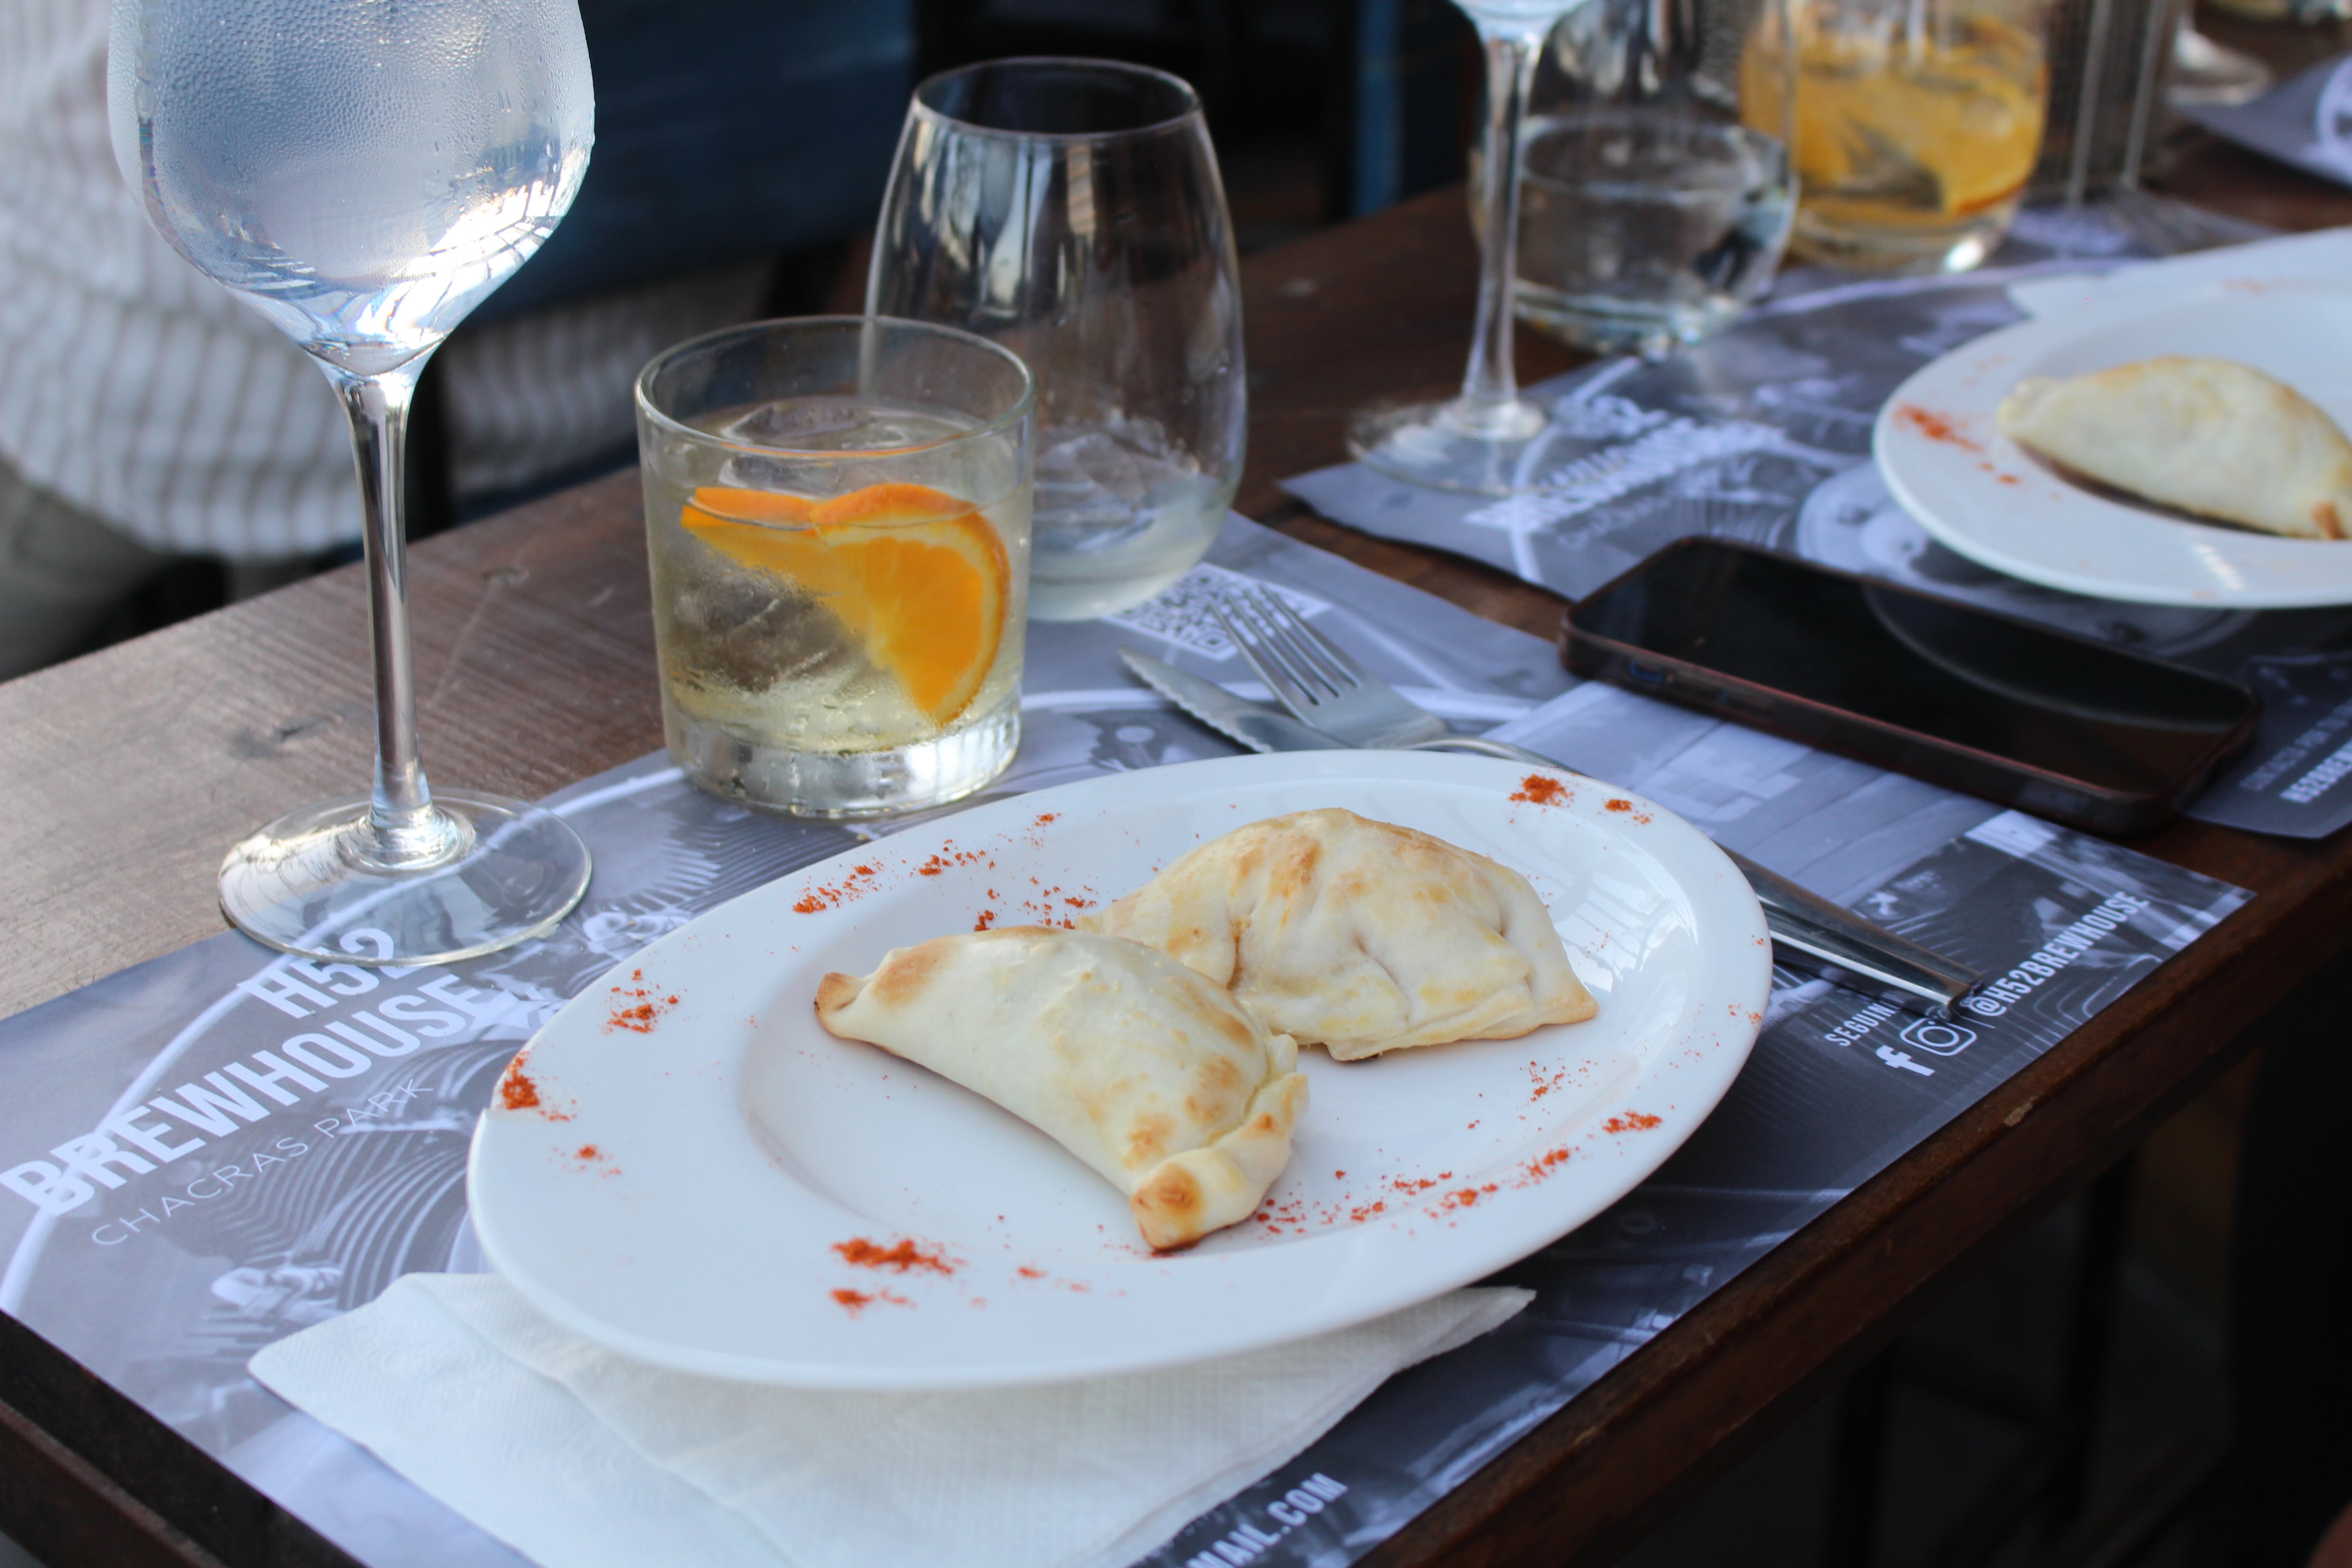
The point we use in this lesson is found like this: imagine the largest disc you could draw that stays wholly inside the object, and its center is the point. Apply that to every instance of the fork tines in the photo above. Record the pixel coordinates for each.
(1285, 649)
(1315, 679)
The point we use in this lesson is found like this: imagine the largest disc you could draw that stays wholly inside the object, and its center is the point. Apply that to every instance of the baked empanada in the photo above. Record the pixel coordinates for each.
(2208, 435)
(1359, 936)
(1163, 1083)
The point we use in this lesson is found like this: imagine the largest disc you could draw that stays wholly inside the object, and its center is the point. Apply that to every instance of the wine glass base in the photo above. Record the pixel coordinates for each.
(510, 870)
(1452, 446)
(2210, 75)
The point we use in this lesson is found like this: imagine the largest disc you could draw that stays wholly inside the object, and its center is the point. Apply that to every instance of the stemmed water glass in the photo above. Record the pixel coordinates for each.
(1473, 442)
(364, 173)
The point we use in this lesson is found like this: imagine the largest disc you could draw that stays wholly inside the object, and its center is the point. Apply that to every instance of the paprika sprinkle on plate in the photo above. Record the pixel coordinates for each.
(904, 1258)
(1538, 790)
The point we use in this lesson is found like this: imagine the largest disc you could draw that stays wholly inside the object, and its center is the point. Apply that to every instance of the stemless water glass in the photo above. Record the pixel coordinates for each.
(837, 513)
(1651, 214)
(364, 175)
(1071, 210)
(1474, 441)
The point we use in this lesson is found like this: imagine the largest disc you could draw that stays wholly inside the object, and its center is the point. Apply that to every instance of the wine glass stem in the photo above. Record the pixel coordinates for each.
(1491, 383)
(405, 830)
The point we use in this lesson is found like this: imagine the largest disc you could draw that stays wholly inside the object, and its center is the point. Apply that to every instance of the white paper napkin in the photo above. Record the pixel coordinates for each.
(2322, 256)
(580, 1458)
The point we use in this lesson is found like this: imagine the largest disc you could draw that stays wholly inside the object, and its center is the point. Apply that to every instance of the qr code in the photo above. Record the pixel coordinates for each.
(1181, 612)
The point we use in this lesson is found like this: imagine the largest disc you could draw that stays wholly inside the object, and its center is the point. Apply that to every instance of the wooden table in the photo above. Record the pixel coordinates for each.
(128, 772)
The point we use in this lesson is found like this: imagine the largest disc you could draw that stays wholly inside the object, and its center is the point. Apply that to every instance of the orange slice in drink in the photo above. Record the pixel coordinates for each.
(918, 577)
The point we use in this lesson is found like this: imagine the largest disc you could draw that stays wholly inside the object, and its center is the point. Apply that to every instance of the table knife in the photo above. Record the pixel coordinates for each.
(1809, 932)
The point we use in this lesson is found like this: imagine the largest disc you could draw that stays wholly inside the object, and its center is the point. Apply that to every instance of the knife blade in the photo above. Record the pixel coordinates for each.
(1259, 727)
(1809, 932)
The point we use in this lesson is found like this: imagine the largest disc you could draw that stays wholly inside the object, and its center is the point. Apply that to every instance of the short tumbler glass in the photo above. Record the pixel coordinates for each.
(1071, 210)
(837, 514)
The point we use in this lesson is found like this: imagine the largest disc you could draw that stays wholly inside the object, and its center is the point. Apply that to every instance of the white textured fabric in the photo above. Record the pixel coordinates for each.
(2323, 257)
(579, 1458)
(130, 383)
(535, 394)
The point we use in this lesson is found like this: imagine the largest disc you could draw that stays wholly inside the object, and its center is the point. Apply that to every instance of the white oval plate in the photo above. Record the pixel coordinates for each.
(1984, 496)
(681, 1190)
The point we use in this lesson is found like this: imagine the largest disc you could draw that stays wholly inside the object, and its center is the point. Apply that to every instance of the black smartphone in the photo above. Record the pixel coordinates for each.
(2064, 726)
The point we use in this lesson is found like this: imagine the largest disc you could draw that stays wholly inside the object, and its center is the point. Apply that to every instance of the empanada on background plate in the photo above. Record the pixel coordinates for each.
(725, 1188)
(1981, 494)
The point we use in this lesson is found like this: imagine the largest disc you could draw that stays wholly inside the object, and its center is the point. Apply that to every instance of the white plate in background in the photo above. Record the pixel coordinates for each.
(1982, 495)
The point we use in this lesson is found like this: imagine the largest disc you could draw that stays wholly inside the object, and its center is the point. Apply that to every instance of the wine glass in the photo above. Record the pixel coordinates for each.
(1473, 442)
(1071, 211)
(363, 175)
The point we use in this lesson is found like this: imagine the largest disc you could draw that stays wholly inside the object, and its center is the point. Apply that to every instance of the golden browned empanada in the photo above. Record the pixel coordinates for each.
(1358, 935)
(2208, 435)
(1163, 1083)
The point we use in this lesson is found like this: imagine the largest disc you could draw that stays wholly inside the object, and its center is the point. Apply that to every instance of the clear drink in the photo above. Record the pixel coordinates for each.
(839, 575)
(1071, 211)
(1121, 513)
(363, 175)
(1643, 228)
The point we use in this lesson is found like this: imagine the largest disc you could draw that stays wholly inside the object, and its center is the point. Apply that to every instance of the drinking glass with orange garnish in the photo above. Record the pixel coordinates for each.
(1917, 125)
(837, 512)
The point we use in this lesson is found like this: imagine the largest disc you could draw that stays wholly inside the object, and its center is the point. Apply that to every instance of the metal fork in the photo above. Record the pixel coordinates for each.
(1320, 683)
(1318, 680)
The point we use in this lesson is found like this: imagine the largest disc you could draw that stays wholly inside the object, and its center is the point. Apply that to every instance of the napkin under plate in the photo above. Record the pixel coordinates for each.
(581, 1459)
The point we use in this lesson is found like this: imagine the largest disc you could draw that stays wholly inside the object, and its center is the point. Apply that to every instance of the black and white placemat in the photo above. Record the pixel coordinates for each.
(2305, 120)
(1763, 433)
(177, 1190)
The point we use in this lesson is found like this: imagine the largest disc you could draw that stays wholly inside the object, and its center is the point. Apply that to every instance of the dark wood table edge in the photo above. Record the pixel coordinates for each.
(2012, 1158)
(89, 1476)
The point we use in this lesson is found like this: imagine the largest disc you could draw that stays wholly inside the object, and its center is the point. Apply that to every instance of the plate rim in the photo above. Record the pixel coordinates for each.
(1729, 1058)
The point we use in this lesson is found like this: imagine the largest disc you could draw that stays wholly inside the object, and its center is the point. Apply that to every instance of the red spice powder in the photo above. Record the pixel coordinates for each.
(856, 1302)
(1028, 1273)
(1542, 1165)
(1630, 1122)
(1935, 427)
(590, 1152)
(950, 857)
(1045, 817)
(987, 919)
(858, 881)
(904, 1258)
(1541, 791)
(638, 1019)
(516, 1092)
(1619, 806)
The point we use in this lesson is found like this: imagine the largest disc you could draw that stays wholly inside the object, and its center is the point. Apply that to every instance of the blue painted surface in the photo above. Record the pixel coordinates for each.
(1406, 129)
(725, 129)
